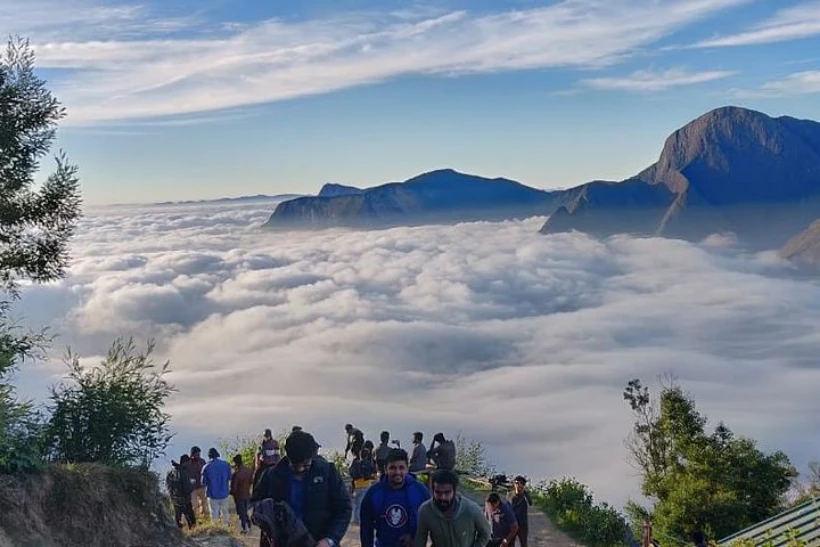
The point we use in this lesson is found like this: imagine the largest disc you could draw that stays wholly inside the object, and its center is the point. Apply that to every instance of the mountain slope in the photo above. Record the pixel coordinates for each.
(721, 171)
(805, 246)
(437, 196)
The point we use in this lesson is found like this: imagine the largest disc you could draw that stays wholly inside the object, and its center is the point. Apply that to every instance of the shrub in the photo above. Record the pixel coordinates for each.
(112, 413)
(571, 507)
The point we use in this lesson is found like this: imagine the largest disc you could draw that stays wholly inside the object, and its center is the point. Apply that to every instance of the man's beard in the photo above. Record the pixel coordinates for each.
(444, 506)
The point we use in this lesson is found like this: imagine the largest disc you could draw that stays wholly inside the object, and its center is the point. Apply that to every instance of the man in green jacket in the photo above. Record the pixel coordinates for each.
(450, 519)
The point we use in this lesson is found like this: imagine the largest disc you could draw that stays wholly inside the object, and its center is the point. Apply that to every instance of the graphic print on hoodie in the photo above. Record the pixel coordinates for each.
(390, 513)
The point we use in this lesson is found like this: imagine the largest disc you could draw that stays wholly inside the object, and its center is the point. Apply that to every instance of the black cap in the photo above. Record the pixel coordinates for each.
(300, 446)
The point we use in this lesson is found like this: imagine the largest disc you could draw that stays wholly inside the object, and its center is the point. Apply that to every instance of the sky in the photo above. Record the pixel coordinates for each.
(196, 99)
(521, 341)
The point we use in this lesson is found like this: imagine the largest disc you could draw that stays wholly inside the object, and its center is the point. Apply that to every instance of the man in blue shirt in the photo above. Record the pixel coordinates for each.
(502, 521)
(390, 508)
(311, 486)
(216, 478)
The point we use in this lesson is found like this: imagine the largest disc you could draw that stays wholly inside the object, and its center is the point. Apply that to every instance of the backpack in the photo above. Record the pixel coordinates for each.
(447, 455)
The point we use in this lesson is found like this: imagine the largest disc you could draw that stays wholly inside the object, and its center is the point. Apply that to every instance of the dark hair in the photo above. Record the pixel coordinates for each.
(195, 449)
(296, 428)
(520, 478)
(439, 437)
(368, 445)
(494, 498)
(300, 446)
(268, 433)
(418, 435)
(445, 476)
(385, 436)
(213, 453)
(348, 427)
(396, 455)
(237, 459)
(185, 458)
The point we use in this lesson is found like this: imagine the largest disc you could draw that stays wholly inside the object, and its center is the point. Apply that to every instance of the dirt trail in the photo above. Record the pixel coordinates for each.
(542, 532)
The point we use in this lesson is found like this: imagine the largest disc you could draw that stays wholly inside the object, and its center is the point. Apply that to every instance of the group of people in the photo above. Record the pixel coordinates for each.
(387, 498)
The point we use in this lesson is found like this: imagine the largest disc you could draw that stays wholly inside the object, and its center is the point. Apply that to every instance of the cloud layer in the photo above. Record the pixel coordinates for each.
(114, 76)
(520, 340)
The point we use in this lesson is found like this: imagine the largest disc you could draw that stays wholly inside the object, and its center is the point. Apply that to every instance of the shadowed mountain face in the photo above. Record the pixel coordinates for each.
(437, 196)
(730, 169)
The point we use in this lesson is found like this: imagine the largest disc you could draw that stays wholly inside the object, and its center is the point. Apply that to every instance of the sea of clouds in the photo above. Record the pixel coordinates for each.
(522, 341)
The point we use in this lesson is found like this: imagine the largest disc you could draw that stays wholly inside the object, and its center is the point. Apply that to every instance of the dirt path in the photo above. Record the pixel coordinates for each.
(542, 531)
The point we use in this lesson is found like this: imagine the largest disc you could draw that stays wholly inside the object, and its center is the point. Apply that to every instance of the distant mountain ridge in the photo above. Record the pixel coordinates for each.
(437, 196)
(721, 171)
(238, 199)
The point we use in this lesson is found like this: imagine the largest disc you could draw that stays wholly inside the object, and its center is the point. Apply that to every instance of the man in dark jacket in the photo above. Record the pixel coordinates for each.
(180, 485)
(442, 452)
(521, 502)
(311, 486)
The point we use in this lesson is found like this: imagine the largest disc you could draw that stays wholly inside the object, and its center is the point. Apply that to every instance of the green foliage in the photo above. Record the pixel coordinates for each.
(247, 446)
(35, 227)
(112, 413)
(471, 457)
(571, 507)
(714, 481)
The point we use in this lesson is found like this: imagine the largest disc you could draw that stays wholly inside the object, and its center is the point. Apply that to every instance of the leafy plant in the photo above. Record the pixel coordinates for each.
(471, 457)
(716, 481)
(571, 507)
(35, 228)
(112, 413)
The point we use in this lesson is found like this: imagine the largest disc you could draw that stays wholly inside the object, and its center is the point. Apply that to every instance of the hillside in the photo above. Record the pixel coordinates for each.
(89, 506)
(726, 170)
(437, 196)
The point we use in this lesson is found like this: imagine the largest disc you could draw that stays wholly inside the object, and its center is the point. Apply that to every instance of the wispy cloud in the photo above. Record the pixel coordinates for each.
(116, 79)
(798, 83)
(648, 80)
(801, 21)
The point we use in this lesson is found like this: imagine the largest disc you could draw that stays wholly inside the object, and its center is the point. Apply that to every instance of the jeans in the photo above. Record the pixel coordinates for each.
(358, 496)
(219, 508)
(184, 507)
(242, 511)
(521, 536)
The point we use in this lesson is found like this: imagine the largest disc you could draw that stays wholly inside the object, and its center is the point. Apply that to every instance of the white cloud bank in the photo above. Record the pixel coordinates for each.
(792, 23)
(520, 340)
(125, 63)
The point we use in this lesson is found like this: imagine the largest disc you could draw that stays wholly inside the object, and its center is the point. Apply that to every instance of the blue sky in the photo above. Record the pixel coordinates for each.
(191, 99)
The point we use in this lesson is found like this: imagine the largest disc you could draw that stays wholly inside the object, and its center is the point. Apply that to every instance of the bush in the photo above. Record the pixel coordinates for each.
(112, 413)
(571, 507)
(471, 457)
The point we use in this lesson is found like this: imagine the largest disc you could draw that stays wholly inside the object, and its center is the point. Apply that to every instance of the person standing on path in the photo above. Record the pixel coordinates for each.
(389, 510)
(418, 458)
(450, 519)
(521, 502)
(382, 451)
(362, 473)
(241, 481)
(216, 477)
(311, 486)
(502, 521)
(199, 499)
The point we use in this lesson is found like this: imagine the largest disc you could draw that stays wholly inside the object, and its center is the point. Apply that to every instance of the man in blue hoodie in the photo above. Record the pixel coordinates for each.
(216, 478)
(390, 508)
